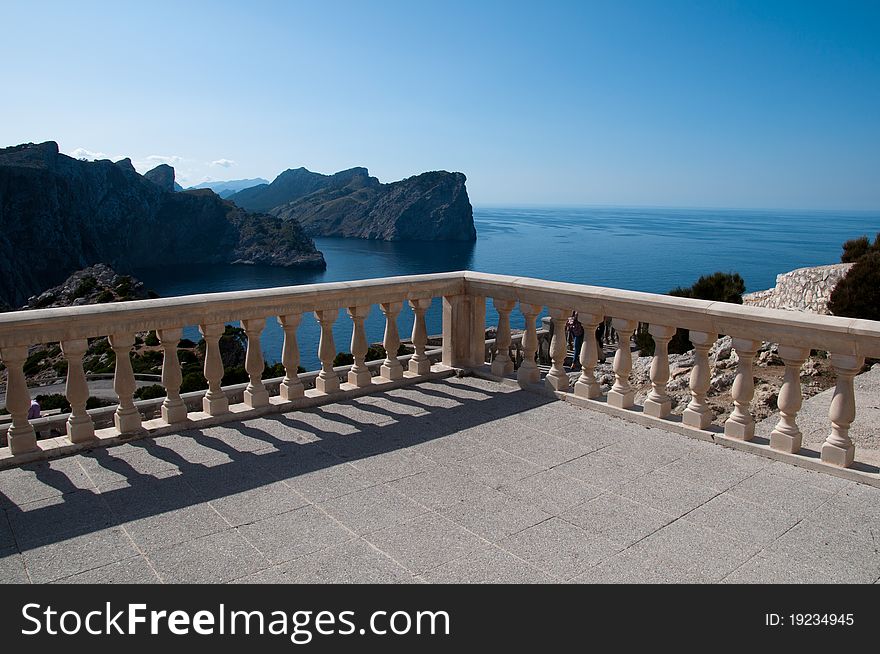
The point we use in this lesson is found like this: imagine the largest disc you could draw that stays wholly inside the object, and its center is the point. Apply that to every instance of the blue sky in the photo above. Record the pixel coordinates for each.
(666, 103)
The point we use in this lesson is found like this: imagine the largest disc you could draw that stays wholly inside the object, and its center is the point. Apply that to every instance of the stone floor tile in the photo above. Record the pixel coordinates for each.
(487, 565)
(552, 491)
(752, 523)
(495, 517)
(216, 558)
(372, 509)
(603, 470)
(54, 560)
(497, 468)
(666, 493)
(617, 518)
(294, 534)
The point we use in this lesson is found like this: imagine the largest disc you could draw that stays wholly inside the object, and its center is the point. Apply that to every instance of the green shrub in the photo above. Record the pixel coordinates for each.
(717, 287)
(272, 371)
(185, 342)
(343, 359)
(86, 285)
(124, 287)
(105, 296)
(149, 362)
(857, 295)
(150, 392)
(193, 381)
(152, 339)
(96, 402)
(35, 362)
(53, 401)
(234, 375)
(644, 340)
(60, 367)
(856, 248)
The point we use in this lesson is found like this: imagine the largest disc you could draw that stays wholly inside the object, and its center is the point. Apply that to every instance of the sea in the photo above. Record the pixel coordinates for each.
(641, 249)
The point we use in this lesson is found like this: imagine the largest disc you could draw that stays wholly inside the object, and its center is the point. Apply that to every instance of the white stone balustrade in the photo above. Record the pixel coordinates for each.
(463, 296)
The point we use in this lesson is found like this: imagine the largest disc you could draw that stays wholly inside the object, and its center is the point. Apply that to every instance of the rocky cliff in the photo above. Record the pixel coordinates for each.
(59, 214)
(804, 289)
(430, 206)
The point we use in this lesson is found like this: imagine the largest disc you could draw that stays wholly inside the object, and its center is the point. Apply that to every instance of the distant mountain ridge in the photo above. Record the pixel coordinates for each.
(227, 187)
(59, 214)
(351, 203)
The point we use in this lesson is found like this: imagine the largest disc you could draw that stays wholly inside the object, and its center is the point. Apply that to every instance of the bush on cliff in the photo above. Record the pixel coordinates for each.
(856, 248)
(857, 295)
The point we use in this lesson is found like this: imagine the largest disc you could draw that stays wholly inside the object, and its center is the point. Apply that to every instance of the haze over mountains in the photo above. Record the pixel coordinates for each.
(226, 188)
(351, 203)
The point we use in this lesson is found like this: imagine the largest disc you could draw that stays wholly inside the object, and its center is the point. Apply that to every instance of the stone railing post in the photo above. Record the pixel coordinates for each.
(21, 435)
(464, 331)
(327, 381)
(741, 424)
(698, 414)
(786, 436)
(557, 378)
(621, 394)
(502, 365)
(173, 408)
(838, 449)
(419, 363)
(80, 427)
(291, 387)
(359, 375)
(126, 419)
(586, 385)
(215, 402)
(528, 372)
(391, 368)
(658, 404)
(255, 395)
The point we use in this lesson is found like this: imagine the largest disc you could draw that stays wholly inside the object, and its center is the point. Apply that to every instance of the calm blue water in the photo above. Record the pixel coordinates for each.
(638, 249)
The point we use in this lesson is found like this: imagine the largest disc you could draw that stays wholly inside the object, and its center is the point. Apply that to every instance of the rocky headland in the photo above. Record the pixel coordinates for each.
(352, 204)
(59, 214)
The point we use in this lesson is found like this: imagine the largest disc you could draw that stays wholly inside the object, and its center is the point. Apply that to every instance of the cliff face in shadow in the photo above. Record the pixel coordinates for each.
(433, 206)
(59, 214)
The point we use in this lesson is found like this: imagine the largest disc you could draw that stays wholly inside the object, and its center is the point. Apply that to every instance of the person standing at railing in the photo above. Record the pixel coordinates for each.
(574, 334)
(34, 411)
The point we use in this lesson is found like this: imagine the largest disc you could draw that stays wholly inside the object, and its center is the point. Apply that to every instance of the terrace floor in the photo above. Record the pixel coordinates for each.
(461, 480)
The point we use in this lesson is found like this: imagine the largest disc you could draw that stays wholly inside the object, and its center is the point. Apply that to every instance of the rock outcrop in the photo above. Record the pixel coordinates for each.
(96, 284)
(350, 203)
(162, 176)
(59, 215)
(804, 289)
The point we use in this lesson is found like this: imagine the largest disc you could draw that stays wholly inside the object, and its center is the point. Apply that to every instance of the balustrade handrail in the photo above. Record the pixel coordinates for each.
(844, 335)
(56, 324)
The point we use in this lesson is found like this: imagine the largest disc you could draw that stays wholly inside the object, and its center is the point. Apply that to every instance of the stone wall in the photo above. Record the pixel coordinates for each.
(804, 289)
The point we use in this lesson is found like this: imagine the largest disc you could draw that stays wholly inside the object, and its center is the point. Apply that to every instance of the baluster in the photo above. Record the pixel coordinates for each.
(419, 363)
(359, 375)
(658, 404)
(838, 448)
(698, 414)
(173, 408)
(327, 381)
(557, 378)
(502, 365)
(586, 385)
(80, 427)
(21, 435)
(215, 402)
(786, 436)
(255, 395)
(291, 387)
(741, 424)
(621, 394)
(391, 368)
(528, 372)
(126, 419)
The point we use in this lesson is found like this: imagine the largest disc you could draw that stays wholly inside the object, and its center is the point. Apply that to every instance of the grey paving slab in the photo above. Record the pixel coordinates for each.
(617, 518)
(776, 568)
(40, 481)
(781, 493)
(694, 554)
(741, 519)
(351, 562)
(459, 480)
(552, 491)
(294, 534)
(495, 517)
(12, 570)
(135, 570)
(559, 548)
(487, 565)
(443, 486)
(425, 542)
(497, 468)
(63, 558)
(59, 517)
(216, 558)
(373, 508)
(603, 470)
